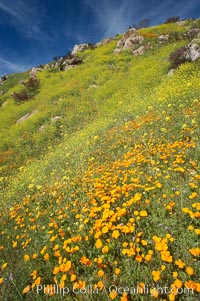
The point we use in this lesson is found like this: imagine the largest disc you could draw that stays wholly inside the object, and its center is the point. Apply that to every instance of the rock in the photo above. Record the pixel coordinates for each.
(56, 118)
(82, 47)
(129, 33)
(139, 51)
(92, 87)
(42, 128)
(193, 50)
(128, 118)
(189, 53)
(120, 43)
(68, 67)
(193, 33)
(73, 61)
(117, 50)
(129, 40)
(3, 79)
(104, 41)
(181, 23)
(34, 70)
(26, 116)
(195, 41)
(46, 67)
(163, 38)
(171, 72)
(70, 62)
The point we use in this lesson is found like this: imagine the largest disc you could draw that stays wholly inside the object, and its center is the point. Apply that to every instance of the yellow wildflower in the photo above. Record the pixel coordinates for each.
(26, 289)
(3, 267)
(113, 294)
(100, 273)
(189, 271)
(98, 243)
(26, 257)
(115, 234)
(156, 275)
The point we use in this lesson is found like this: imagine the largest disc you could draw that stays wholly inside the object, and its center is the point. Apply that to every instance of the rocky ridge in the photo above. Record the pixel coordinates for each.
(131, 40)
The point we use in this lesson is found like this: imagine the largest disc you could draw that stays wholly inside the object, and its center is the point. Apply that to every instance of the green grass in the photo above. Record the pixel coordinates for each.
(13, 79)
(109, 194)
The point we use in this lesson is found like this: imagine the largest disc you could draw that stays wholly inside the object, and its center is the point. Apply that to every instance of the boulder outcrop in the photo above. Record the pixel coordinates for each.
(181, 23)
(193, 50)
(72, 61)
(163, 38)
(47, 66)
(139, 51)
(130, 40)
(82, 47)
(171, 72)
(3, 79)
(189, 53)
(56, 118)
(34, 70)
(193, 33)
(105, 41)
(26, 116)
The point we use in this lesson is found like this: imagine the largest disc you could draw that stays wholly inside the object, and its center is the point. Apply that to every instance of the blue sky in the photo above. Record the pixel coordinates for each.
(34, 31)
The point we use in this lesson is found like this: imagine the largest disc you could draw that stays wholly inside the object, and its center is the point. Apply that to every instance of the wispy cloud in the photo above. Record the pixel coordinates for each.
(165, 9)
(7, 66)
(113, 16)
(25, 17)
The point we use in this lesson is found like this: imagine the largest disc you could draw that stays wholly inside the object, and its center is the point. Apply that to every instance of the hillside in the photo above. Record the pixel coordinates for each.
(100, 172)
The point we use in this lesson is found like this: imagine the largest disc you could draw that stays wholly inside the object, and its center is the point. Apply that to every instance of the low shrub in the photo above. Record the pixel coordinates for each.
(32, 84)
(177, 57)
(21, 96)
(31, 87)
(172, 19)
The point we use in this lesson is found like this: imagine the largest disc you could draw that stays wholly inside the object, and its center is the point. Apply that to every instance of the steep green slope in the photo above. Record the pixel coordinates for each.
(122, 85)
(12, 80)
(107, 195)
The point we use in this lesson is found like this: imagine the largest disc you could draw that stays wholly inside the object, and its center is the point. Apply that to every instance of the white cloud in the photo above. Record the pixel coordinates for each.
(113, 16)
(25, 18)
(8, 66)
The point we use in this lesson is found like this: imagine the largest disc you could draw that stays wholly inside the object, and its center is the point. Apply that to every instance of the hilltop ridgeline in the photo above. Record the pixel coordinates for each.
(136, 42)
(133, 40)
